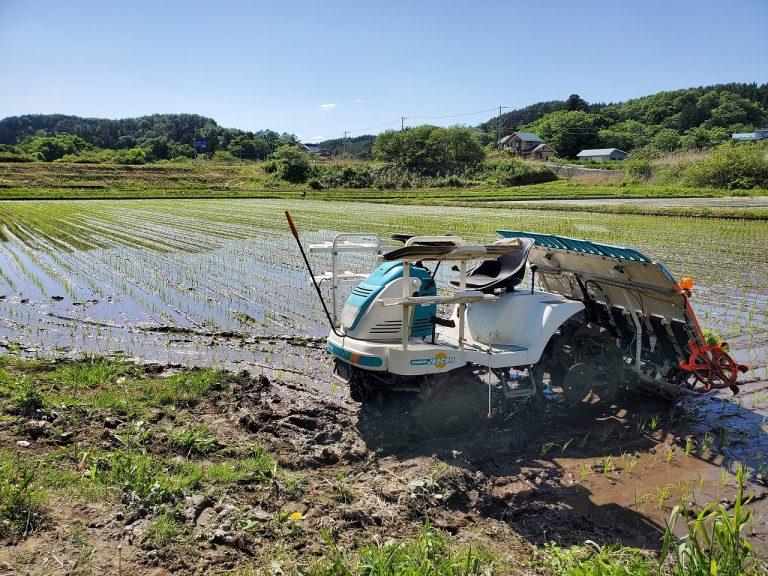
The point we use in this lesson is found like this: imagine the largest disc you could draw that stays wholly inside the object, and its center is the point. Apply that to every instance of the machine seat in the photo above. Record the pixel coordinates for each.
(505, 272)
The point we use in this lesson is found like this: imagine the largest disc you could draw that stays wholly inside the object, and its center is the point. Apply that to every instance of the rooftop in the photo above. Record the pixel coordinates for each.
(527, 137)
(600, 152)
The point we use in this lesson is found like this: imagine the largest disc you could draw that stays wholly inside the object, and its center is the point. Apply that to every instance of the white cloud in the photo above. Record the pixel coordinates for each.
(328, 106)
(359, 100)
(318, 137)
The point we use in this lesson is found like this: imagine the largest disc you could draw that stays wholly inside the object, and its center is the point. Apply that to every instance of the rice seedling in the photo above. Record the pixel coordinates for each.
(662, 494)
(630, 461)
(546, 447)
(583, 472)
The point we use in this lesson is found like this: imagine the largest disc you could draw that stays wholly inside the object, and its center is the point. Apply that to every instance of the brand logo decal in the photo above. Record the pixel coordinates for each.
(439, 361)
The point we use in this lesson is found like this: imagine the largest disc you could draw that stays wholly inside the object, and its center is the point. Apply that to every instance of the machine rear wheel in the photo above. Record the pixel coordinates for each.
(578, 382)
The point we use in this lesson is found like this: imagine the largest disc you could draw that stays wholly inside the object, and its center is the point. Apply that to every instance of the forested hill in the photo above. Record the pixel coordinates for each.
(663, 104)
(690, 118)
(145, 131)
(357, 147)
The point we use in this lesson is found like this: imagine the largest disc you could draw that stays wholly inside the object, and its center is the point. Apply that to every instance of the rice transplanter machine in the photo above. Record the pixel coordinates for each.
(604, 317)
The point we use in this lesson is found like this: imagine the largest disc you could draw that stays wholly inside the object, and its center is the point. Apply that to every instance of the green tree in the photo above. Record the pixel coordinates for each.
(666, 139)
(291, 163)
(626, 135)
(568, 132)
(242, 146)
(157, 149)
(430, 149)
(50, 148)
(575, 102)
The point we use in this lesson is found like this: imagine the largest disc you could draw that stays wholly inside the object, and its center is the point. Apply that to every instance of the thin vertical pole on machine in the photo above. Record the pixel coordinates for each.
(295, 234)
(406, 310)
(462, 306)
(334, 264)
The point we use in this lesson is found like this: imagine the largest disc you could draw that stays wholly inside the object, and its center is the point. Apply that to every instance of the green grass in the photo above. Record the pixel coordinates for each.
(37, 181)
(429, 554)
(163, 529)
(715, 543)
(194, 440)
(106, 384)
(20, 497)
(593, 560)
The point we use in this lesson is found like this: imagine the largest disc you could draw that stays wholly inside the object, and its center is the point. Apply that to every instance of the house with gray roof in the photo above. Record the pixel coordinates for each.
(523, 143)
(602, 154)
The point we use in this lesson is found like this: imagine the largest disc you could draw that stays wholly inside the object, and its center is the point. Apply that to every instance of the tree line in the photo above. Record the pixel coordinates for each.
(693, 118)
(157, 137)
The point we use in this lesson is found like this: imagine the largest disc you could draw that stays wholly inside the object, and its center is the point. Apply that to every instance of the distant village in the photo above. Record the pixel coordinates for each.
(529, 146)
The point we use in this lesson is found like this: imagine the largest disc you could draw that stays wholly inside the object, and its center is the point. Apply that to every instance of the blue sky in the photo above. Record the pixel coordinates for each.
(319, 68)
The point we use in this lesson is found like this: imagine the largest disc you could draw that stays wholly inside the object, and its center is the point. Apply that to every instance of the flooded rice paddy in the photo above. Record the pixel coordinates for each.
(192, 281)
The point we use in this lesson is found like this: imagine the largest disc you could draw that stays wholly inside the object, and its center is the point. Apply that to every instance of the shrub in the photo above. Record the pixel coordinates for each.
(50, 148)
(291, 164)
(223, 156)
(429, 149)
(343, 176)
(10, 153)
(181, 151)
(97, 156)
(130, 156)
(516, 172)
(731, 166)
(638, 168)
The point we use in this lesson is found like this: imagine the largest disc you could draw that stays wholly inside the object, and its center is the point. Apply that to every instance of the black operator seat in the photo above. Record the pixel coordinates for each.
(505, 272)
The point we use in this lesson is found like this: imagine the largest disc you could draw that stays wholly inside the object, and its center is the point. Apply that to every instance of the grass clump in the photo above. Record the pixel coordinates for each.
(27, 399)
(194, 440)
(594, 560)
(183, 390)
(715, 542)
(88, 374)
(430, 553)
(20, 498)
(259, 467)
(163, 529)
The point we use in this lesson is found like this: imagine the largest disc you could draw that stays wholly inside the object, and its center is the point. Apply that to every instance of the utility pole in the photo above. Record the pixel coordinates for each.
(402, 122)
(498, 128)
(344, 153)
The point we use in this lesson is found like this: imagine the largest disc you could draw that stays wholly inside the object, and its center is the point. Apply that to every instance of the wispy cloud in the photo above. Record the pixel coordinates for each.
(359, 100)
(328, 106)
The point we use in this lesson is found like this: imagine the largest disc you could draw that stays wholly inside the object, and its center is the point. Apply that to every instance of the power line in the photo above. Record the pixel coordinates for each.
(402, 120)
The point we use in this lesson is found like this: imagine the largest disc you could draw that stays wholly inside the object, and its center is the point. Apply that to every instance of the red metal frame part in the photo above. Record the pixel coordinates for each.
(709, 365)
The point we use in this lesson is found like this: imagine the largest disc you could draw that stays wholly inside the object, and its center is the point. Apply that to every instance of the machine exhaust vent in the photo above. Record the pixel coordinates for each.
(388, 327)
(362, 291)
